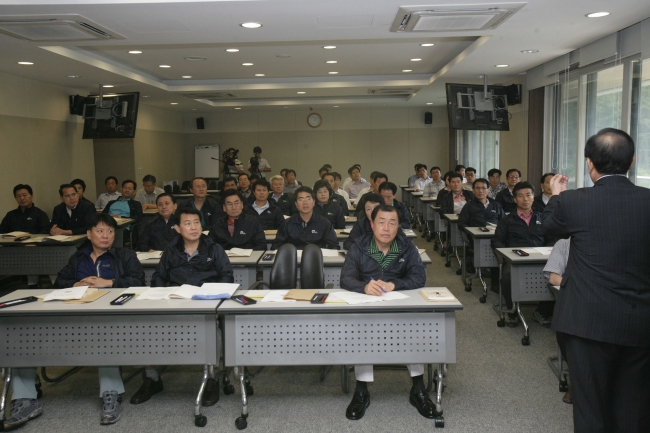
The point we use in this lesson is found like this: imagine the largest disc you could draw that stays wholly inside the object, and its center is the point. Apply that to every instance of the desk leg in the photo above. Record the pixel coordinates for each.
(525, 341)
(241, 422)
(3, 398)
(439, 419)
(483, 298)
(201, 420)
(499, 308)
(467, 282)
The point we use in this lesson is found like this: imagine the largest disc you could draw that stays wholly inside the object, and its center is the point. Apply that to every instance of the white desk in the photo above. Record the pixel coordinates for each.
(405, 331)
(483, 256)
(122, 224)
(37, 258)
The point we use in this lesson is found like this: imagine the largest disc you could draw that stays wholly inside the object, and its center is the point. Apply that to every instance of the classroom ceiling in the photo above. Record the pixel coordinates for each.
(191, 37)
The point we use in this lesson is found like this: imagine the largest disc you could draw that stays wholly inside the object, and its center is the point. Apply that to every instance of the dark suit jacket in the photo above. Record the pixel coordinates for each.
(605, 293)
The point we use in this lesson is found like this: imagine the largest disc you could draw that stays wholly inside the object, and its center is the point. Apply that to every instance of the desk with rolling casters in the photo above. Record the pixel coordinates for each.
(122, 224)
(424, 204)
(404, 331)
(45, 257)
(454, 239)
(483, 256)
(341, 236)
(163, 332)
(418, 209)
(244, 269)
(527, 281)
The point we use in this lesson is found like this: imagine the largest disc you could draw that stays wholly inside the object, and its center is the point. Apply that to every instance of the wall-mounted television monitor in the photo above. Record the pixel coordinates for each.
(115, 118)
(470, 107)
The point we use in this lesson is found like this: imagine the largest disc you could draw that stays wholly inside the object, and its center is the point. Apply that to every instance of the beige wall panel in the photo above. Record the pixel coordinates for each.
(439, 117)
(428, 146)
(390, 154)
(158, 119)
(279, 149)
(352, 147)
(313, 149)
(113, 158)
(152, 154)
(514, 147)
(389, 118)
(213, 123)
(346, 119)
(274, 120)
(237, 121)
(82, 158)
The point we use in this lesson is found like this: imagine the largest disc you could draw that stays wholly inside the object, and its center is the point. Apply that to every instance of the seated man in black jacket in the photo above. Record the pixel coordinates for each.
(26, 218)
(72, 216)
(379, 262)
(522, 229)
(283, 200)
(191, 258)
(306, 227)
(478, 213)
(209, 209)
(326, 207)
(100, 266)
(236, 229)
(125, 206)
(457, 198)
(506, 197)
(160, 231)
(362, 226)
(265, 210)
(387, 190)
(545, 195)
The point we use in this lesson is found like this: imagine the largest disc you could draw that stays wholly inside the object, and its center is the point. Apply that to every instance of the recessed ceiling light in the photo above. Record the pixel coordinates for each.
(25, 63)
(145, 96)
(501, 66)
(331, 61)
(301, 93)
(164, 66)
(186, 76)
(108, 85)
(415, 60)
(286, 107)
(174, 103)
(193, 109)
(196, 58)
(247, 64)
(335, 106)
(329, 47)
(529, 51)
(332, 73)
(427, 45)
(407, 70)
(74, 76)
(283, 56)
(251, 25)
(429, 103)
(259, 75)
(232, 50)
(237, 108)
(135, 52)
(597, 14)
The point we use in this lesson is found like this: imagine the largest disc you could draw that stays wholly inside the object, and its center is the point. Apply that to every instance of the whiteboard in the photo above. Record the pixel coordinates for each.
(204, 165)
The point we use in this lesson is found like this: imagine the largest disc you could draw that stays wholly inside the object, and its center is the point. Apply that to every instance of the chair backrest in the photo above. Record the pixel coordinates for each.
(284, 273)
(168, 189)
(176, 189)
(212, 184)
(186, 185)
(312, 275)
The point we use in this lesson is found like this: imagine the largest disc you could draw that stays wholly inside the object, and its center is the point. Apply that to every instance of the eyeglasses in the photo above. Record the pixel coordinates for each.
(305, 199)
(513, 177)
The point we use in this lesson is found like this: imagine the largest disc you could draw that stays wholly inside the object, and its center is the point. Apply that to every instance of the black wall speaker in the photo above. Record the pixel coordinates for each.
(513, 94)
(428, 118)
(199, 123)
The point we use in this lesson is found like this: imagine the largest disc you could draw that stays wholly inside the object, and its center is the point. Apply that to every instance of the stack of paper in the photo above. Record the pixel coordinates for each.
(326, 253)
(276, 296)
(239, 252)
(14, 234)
(149, 255)
(59, 238)
(347, 231)
(437, 294)
(187, 291)
(66, 294)
(354, 298)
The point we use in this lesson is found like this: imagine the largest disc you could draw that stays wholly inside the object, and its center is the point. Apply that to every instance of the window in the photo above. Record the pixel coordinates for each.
(640, 121)
(478, 149)
(564, 134)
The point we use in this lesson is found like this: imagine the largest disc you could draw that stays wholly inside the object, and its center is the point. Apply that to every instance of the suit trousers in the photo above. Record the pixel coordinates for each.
(611, 386)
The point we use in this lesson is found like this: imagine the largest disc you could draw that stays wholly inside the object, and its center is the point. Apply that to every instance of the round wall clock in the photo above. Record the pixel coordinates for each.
(314, 120)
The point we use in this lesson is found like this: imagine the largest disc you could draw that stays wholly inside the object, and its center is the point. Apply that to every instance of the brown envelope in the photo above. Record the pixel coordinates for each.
(300, 295)
(90, 297)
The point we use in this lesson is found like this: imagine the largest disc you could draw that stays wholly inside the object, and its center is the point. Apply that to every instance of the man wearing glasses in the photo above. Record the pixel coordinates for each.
(305, 227)
(505, 197)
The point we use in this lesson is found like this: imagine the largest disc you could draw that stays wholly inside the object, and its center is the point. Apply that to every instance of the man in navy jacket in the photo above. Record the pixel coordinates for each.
(379, 262)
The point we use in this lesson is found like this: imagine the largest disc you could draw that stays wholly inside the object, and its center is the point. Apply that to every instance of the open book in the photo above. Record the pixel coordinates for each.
(149, 255)
(437, 294)
(239, 252)
(187, 291)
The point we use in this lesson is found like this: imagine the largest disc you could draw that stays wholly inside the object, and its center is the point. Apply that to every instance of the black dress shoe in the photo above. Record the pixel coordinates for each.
(211, 393)
(357, 408)
(147, 390)
(424, 405)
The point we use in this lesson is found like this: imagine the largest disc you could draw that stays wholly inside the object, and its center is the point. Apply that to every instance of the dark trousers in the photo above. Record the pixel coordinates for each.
(611, 386)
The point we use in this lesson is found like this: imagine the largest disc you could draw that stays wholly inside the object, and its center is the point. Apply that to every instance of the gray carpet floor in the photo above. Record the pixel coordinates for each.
(497, 385)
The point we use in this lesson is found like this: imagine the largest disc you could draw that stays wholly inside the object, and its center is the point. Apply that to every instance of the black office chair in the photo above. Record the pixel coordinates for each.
(212, 184)
(176, 189)
(185, 186)
(168, 189)
(312, 275)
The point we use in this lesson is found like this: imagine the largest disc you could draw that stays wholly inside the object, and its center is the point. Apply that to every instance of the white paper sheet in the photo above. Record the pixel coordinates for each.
(329, 253)
(156, 293)
(354, 298)
(544, 250)
(59, 238)
(347, 231)
(149, 255)
(186, 291)
(14, 234)
(239, 252)
(276, 296)
(257, 293)
(391, 296)
(66, 294)
(529, 250)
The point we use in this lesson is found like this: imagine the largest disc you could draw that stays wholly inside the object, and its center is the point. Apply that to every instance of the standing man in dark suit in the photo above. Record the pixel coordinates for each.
(603, 310)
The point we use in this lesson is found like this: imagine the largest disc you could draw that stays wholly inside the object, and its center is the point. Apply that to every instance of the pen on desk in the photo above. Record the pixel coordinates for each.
(382, 289)
(120, 299)
(6, 304)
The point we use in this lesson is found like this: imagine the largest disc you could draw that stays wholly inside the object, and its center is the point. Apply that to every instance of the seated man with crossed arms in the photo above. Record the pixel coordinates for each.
(378, 262)
(101, 266)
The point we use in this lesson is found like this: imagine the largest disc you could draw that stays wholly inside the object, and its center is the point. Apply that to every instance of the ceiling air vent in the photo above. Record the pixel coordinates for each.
(402, 91)
(54, 28)
(453, 18)
(214, 95)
